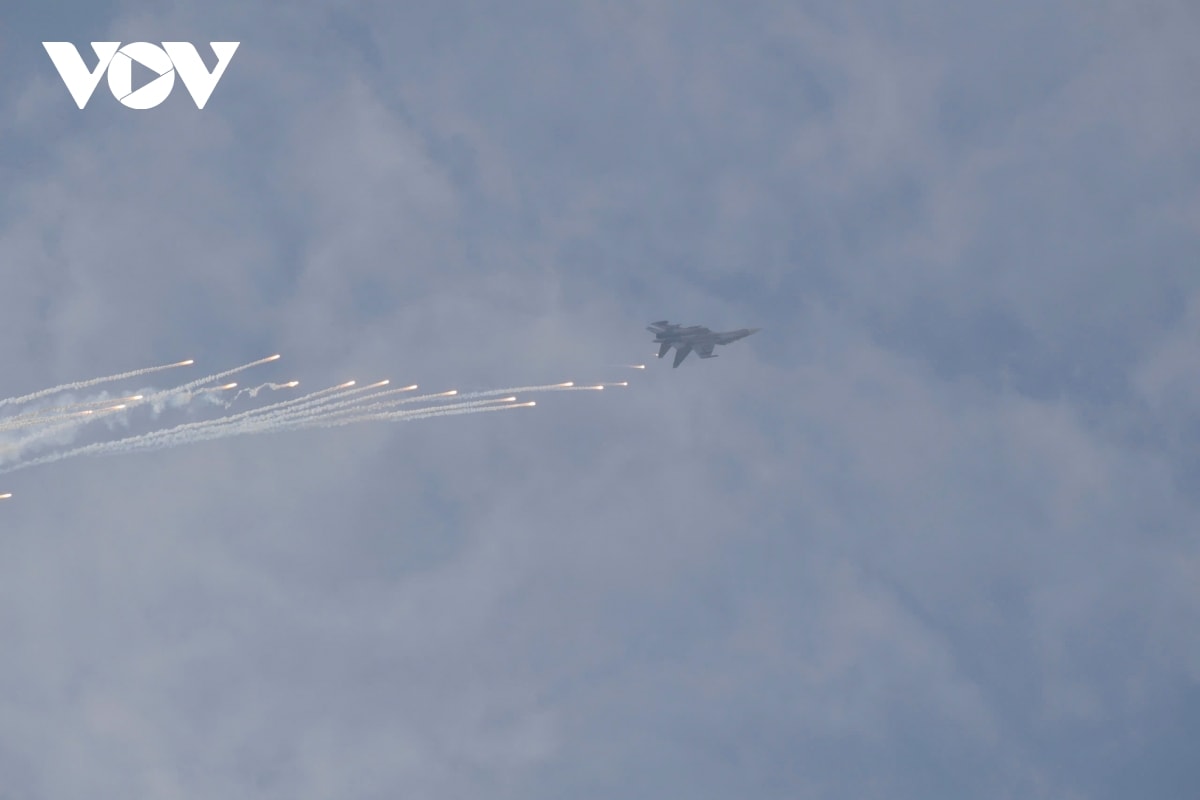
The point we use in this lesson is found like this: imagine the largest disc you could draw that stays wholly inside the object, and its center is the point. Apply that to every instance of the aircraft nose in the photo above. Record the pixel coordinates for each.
(755, 330)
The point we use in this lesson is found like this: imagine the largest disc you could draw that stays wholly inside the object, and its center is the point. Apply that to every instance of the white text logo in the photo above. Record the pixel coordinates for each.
(118, 61)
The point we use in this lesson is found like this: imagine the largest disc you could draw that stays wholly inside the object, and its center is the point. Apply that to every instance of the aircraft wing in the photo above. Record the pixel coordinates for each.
(681, 352)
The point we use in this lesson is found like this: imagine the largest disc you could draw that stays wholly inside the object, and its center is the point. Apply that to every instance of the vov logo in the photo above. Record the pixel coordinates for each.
(118, 61)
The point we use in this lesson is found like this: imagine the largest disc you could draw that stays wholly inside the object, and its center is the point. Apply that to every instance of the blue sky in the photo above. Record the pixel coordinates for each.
(931, 533)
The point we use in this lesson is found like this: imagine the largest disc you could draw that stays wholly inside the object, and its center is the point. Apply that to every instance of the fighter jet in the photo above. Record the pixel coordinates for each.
(693, 337)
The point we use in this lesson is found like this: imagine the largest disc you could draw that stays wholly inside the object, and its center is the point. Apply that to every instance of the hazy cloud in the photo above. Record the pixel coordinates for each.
(931, 533)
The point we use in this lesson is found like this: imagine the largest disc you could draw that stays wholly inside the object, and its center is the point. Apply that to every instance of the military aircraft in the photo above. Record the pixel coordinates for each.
(693, 337)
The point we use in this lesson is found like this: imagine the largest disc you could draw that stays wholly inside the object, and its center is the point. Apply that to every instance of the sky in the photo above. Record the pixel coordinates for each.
(931, 533)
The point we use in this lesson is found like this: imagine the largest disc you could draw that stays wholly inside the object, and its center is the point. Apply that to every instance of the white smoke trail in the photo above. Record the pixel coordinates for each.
(312, 406)
(309, 400)
(382, 407)
(186, 390)
(477, 407)
(275, 387)
(184, 393)
(357, 406)
(34, 420)
(517, 389)
(52, 425)
(189, 432)
(70, 387)
(335, 406)
(362, 404)
(59, 410)
(160, 440)
(326, 407)
(256, 417)
(49, 435)
(228, 387)
(208, 393)
(52, 415)
(142, 442)
(348, 415)
(253, 420)
(288, 418)
(549, 387)
(186, 433)
(187, 387)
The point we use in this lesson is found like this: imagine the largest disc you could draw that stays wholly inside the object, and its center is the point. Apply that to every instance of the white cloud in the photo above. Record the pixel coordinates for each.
(929, 530)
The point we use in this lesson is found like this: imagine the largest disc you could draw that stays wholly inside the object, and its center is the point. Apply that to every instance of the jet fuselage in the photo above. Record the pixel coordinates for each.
(692, 337)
